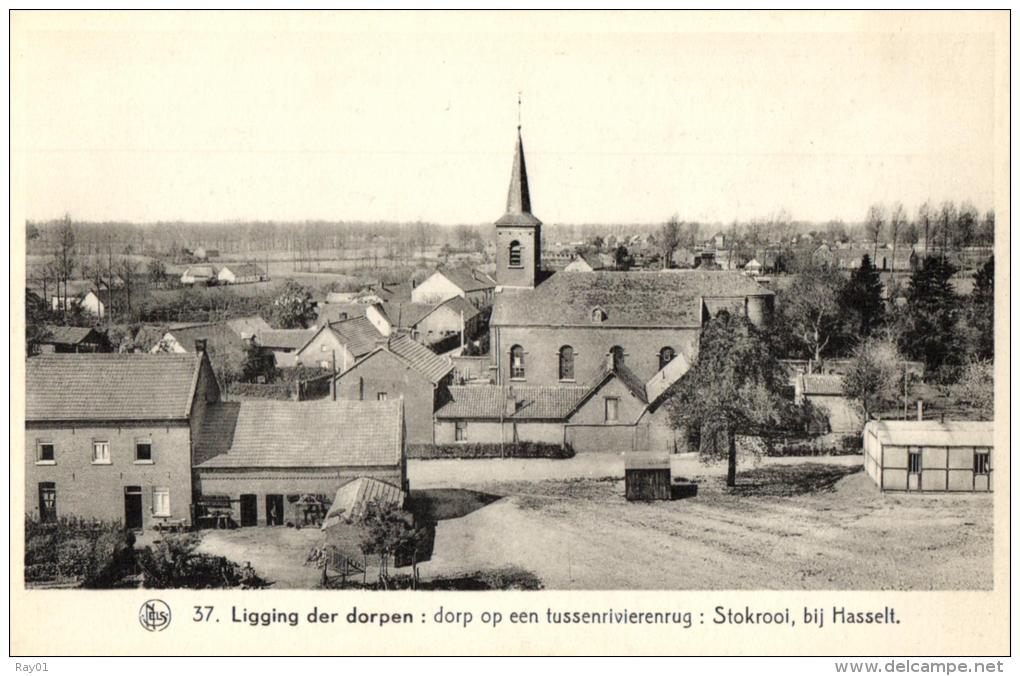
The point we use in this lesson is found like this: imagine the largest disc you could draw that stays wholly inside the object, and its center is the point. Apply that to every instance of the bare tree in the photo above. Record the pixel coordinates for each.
(873, 225)
(924, 222)
(897, 223)
(669, 239)
(65, 257)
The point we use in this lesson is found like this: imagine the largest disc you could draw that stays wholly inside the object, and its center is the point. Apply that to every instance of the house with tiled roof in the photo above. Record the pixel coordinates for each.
(400, 368)
(241, 273)
(282, 345)
(220, 338)
(58, 338)
(473, 285)
(261, 457)
(202, 275)
(110, 436)
(585, 263)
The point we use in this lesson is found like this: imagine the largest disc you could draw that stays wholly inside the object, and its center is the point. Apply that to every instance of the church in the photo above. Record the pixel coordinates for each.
(570, 328)
(585, 360)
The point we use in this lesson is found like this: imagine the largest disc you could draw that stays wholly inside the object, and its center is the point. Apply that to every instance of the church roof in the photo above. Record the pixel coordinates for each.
(670, 298)
(518, 198)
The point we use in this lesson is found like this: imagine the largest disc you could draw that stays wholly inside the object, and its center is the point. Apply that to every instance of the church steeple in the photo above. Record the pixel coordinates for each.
(518, 197)
(518, 232)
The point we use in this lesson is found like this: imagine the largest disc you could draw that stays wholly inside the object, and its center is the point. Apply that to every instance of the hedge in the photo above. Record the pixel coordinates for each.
(523, 449)
(826, 444)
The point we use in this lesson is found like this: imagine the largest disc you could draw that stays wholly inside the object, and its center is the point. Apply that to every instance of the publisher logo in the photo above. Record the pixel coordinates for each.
(154, 615)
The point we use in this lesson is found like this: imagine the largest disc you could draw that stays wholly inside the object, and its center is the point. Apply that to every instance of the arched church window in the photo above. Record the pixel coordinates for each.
(516, 361)
(566, 363)
(515, 254)
(616, 356)
(666, 355)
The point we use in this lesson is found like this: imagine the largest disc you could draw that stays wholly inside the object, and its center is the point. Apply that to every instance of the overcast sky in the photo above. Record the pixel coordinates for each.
(306, 117)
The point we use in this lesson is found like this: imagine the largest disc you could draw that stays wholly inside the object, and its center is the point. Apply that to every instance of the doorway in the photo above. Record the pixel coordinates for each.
(133, 507)
(274, 510)
(249, 510)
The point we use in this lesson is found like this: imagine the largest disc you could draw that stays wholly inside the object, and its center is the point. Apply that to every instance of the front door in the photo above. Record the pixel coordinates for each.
(48, 502)
(133, 507)
(274, 510)
(249, 510)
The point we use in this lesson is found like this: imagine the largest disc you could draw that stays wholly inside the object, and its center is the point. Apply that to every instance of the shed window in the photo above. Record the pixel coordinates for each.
(143, 450)
(381, 396)
(101, 452)
(515, 254)
(566, 363)
(982, 463)
(160, 501)
(914, 462)
(598, 315)
(612, 409)
(460, 431)
(516, 361)
(46, 452)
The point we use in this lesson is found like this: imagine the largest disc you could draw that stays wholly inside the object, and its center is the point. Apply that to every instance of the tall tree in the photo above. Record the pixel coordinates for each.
(812, 308)
(930, 332)
(981, 311)
(65, 257)
(293, 308)
(861, 298)
(924, 216)
(897, 224)
(733, 388)
(669, 239)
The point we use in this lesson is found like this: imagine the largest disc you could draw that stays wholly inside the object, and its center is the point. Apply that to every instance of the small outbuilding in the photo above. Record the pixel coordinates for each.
(927, 455)
(647, 476)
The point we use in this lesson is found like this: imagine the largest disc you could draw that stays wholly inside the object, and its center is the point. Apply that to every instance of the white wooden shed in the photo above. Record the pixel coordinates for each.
(928, 455)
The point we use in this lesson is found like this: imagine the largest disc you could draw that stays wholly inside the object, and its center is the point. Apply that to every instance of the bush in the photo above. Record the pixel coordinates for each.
(172, 563)
(799, 445)
(89, 551)
(522, 449)
(282, 391)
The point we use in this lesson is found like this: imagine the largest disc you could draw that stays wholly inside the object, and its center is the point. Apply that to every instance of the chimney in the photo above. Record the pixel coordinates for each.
(920, 409)
(511, 404)
(200, 344)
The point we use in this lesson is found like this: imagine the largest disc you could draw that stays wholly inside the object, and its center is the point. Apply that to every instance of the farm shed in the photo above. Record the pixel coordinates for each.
(925, 455)
(647, 476)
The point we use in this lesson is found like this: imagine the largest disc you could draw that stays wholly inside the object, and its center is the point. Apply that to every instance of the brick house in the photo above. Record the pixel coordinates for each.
(345, 341)
(261, 457)
(110, 436)
(559, 329)
(445, 283)
(401, 368)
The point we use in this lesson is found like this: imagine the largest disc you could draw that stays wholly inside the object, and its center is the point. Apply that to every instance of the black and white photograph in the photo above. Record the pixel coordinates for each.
(312, 305)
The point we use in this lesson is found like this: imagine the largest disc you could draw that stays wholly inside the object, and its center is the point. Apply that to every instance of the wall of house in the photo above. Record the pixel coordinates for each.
(593, 411)
(591, 347)
(439, 324)
(383, 372)
(320, 350)
(602, 438)
(286, 482)
(435, 289)
(489, 432)
(96, 491)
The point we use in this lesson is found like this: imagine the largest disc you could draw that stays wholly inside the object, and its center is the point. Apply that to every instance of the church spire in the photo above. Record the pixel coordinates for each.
(518, 198)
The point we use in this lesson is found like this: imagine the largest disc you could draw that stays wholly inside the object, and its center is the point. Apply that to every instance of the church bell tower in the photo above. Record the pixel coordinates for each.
(518, 232)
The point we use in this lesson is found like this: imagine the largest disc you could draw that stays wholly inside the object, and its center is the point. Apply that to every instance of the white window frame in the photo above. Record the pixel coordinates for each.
(460, 431)
(987, 463)
(161, 501)
(38, 452)
(381, 396)
(140, 461)
(616, 409)
(96, 460)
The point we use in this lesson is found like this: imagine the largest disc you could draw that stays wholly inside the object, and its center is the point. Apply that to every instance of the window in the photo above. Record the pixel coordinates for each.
(666, 355)
(914, 462)
(616, 356)
(100, 452)
(160, 501)
(516, 361)
(515, 254)
(323, 347)
(612, 409)
(143, 450)
(598, 315)
(46, 452)
(380, 396)
(566, 363)
(982, 463)
(47, 502)
(460, 431)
